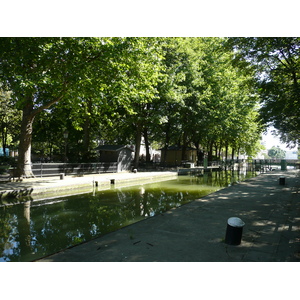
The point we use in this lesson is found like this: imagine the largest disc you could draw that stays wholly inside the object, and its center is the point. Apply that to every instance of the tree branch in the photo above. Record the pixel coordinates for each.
(45, 106)
(49, 104)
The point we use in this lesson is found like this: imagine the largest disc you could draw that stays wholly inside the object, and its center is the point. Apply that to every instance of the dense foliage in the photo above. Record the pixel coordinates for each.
(276, 152)
(277, 64)
(169, 91)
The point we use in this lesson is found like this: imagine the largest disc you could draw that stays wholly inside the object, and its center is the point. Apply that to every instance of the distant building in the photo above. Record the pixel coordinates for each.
(119, 155)
(173, 155)
(154, 154)
(292, 154)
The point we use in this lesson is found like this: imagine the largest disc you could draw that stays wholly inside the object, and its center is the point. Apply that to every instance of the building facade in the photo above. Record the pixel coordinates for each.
(119, 155)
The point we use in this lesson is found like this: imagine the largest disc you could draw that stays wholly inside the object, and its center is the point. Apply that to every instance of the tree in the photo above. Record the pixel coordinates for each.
(211, 101)
(219, 106)
(184, 91)
(42, 72)
(47, 134)
(140, 72)
(277, 62)
(276, 152)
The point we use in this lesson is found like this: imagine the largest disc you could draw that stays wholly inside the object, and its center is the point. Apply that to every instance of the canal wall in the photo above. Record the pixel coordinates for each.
(36, 188)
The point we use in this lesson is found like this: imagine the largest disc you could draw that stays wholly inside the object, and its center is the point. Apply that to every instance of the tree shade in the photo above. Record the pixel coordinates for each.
(183, 91)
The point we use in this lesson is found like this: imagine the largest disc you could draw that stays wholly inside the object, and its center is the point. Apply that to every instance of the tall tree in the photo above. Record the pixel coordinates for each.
(41, 72)
(212, 100)
(140, 72)
(277, 61)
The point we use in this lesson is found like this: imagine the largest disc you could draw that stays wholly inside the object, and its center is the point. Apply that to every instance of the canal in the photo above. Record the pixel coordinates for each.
(33, 229)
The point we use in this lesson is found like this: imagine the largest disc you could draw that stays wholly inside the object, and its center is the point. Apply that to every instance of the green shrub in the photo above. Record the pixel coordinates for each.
(7, 160)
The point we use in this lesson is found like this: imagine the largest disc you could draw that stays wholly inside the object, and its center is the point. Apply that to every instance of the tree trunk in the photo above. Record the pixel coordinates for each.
(216, 150)
(226, 152)
(86, 139)
(199, 152)
(24, 159)
(184, 146)
(138, 138)
(167, 140)
(210, 151)
(220, 150)
(87, 132)
(147, 146)
(29, 113)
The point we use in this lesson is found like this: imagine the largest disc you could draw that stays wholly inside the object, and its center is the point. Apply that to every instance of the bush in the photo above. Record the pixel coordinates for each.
(7, 161)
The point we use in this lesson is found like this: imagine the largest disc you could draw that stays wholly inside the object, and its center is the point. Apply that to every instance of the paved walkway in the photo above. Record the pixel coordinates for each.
(195, 232)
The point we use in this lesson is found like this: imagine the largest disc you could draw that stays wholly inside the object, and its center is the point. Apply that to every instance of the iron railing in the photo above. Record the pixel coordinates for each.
(54, 169)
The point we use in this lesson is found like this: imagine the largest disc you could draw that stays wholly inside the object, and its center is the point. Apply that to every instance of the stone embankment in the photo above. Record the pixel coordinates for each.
(195, 232)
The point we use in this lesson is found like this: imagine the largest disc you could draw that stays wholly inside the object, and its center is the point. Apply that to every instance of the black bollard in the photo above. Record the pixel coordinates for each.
(234, 231)
(282, 180)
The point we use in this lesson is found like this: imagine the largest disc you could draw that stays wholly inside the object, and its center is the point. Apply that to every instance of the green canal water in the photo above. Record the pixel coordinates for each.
(33, 229)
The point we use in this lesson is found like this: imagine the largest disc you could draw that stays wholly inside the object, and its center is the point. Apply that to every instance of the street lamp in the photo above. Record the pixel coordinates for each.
(66, 134)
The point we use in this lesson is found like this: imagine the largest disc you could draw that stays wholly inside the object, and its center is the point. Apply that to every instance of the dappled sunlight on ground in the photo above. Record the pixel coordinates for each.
(196, 231)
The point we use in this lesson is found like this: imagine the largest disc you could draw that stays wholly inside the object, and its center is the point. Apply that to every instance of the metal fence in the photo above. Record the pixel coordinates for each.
(55, 169)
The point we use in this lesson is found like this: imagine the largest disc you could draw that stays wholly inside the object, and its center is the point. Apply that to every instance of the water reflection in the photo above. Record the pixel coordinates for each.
(33, 229)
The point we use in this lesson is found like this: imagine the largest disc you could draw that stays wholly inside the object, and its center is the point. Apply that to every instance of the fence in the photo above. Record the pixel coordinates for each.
(55, 169)
(290, 162)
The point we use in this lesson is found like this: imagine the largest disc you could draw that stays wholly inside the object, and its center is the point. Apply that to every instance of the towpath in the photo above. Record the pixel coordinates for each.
(195, 232)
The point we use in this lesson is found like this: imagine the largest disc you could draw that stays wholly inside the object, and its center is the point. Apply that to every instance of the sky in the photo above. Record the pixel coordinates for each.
(271, 140)
(149, 18)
